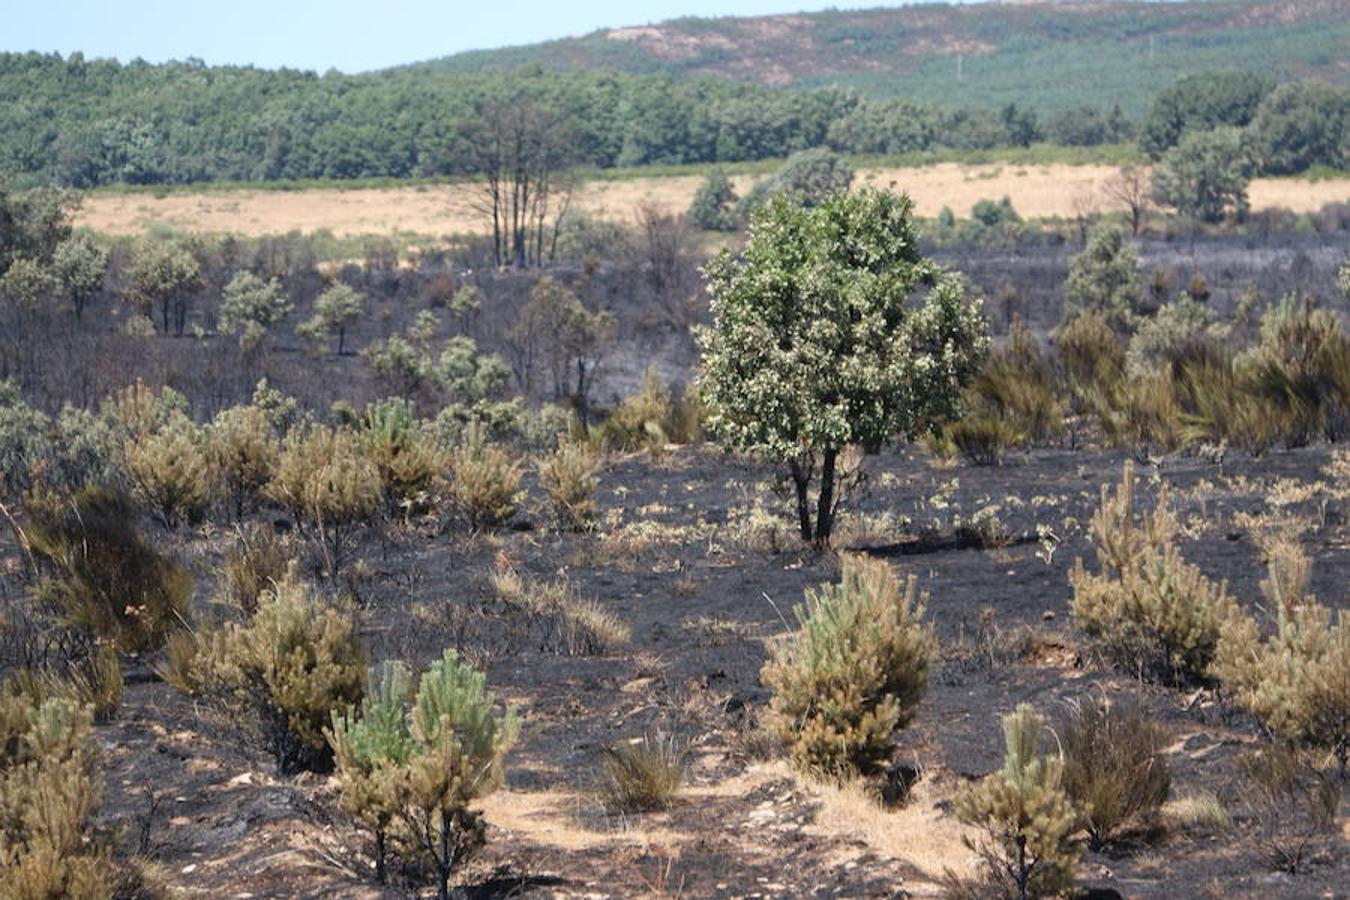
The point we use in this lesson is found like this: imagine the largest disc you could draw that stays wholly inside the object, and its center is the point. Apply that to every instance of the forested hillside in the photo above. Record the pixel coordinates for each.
(690, 91)
(1054, 55)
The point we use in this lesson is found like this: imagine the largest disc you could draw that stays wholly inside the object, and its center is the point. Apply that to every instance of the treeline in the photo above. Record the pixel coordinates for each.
(85, 123)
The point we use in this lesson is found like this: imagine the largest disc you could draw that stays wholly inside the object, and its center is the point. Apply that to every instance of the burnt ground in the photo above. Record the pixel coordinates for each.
(703, 585)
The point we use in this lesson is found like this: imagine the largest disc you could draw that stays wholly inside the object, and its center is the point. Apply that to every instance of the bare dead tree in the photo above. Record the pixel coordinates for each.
(1131, 188)
(521, 152)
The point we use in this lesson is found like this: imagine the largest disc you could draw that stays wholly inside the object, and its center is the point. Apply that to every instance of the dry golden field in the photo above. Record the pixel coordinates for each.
(1048, 190)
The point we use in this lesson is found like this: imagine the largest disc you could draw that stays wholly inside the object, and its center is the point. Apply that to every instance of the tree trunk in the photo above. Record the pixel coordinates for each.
(825, 504)
(801, 480)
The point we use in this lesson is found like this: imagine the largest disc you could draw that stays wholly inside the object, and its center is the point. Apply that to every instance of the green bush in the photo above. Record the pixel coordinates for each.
(484, 480)
(1104, 279)
(1115, 770)
(567, 477)
(1148, 608)
(105, 578)
(49, 793)
(170, 471)
(1297, 681)
(325, 480)
(244, 451)
(1302, 365)
(853, 672)
(1023, 816)
(404, 452)
(806, 178)
(294, 663)
(714, 204)
(410, 770)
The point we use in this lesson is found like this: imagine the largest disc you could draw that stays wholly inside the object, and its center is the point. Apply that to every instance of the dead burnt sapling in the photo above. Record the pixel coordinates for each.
(815, 346)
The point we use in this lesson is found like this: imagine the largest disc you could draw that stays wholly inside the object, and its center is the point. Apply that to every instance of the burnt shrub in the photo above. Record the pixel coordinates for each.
(1114, 768)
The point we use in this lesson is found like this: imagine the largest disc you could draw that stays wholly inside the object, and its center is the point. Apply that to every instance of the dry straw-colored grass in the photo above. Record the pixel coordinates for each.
(1035, 190)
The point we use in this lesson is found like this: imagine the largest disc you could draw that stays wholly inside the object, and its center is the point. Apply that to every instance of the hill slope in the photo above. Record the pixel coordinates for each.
(1045, 54)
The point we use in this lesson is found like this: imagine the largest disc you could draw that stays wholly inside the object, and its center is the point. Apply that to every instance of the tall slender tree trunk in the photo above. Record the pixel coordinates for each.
(825, 503)
(801, 480)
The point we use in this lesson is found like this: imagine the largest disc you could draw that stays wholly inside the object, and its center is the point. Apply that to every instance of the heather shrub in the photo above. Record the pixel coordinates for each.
(405, 454)
(1292, 804)
(1220, 403)
(1302, 364)
(170, 471)
(294, 663)
(640, 421)
(567, 477)
(253, 565)
(1143, 412)
(1104, 280)
(49, 794)
(484, 480)
(1020, 386)
(1115, 770)
(1024, 819)
(104, 577)
(412, 769)
(329, 484)
(1297, 680)
(984, 439)
(244, 451)
(641, 775)
(853, 672)
(92, 679)
(1148, 608)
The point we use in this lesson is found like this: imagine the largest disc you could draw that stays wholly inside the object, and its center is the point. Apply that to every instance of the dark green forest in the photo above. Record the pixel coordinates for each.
(85, 123)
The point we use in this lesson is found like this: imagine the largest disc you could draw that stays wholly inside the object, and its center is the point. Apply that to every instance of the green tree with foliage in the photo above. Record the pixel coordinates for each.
(79, 266)
(250, 306)
(814, 347)
(1300, 125)
(1201, 103)
(1206, 174)
(713, 206)
(1104, 279)
(806, 178)
(164, 275)
(334, 311)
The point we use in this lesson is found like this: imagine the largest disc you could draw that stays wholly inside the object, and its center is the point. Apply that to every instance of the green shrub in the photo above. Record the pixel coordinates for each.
(853, 673)
(414, 769)
(1024, 818)
(1115, 770)
(1167, 337)
(1148, 608)
(370, 751)
(294, 663)
(404, 453)
(714, 203)
(49, 794)
(1092, 357)
(105, 577)
(245, 451)
(329, 484)
(170, 471)
(567, 477)
(1104, 280)
(1297, 681)
(484, 480)
(806, 178)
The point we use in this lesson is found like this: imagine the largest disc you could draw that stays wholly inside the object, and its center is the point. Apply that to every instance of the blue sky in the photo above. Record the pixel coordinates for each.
(348, 35)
